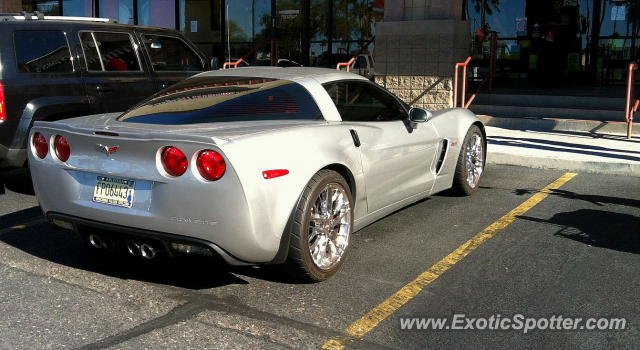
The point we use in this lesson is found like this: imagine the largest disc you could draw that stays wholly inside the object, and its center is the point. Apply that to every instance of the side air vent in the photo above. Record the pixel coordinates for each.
(443, 155)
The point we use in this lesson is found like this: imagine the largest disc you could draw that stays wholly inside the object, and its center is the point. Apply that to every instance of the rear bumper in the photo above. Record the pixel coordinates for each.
(12, 157)
(165, 239)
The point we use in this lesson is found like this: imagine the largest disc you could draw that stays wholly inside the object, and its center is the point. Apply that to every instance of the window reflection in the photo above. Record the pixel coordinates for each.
(122, 10)
(161, 13)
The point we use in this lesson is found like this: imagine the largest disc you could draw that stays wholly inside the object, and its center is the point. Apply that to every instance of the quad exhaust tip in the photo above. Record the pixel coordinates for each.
(133, 248)
(144, 250)
(95, 241)
(147, 251)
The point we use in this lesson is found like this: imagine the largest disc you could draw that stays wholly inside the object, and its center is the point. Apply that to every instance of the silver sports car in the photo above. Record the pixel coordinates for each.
(255, 165)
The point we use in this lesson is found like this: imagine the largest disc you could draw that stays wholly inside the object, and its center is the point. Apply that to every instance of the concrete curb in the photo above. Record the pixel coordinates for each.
(566, 125)
(610, 168)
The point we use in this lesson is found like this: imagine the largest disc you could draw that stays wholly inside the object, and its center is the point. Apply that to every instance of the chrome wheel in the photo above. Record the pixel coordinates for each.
(329, 226)
(474, 159)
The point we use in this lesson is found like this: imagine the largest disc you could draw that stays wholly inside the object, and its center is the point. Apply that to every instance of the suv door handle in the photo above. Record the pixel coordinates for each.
(103, 88)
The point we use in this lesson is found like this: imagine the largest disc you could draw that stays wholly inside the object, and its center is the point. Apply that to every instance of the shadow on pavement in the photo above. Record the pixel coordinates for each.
(598, 228)
(548, 145)
(64, 247)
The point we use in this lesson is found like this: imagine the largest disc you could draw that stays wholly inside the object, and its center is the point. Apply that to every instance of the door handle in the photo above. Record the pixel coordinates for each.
(354, 136)
(102, 88)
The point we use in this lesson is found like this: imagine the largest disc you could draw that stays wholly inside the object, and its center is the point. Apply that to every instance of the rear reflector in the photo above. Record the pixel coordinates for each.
(211, 165)
(174, 161)
(62, 148)
(3, 105)
(270, 174)
(40, 145)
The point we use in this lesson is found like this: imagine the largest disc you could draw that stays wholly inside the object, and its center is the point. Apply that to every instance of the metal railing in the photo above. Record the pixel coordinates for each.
(346, 64)
(456, 85)
(632, 106)
(493, 59)
(235, 64)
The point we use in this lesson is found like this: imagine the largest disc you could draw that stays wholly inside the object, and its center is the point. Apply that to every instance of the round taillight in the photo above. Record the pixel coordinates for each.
(174, 161)
(62, 148)
(40, 145)
(211, 165)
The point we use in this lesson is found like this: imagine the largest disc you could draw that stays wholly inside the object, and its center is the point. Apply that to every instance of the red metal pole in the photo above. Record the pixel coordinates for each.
(633, 68)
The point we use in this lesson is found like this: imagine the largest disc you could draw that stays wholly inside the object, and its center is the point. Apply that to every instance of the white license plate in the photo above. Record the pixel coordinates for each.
(114, 191)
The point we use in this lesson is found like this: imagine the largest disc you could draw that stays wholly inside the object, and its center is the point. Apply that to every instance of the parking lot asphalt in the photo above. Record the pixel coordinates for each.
(575, 253)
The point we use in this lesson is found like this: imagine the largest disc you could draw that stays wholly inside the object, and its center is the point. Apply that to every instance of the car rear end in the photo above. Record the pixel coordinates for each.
(173, 192)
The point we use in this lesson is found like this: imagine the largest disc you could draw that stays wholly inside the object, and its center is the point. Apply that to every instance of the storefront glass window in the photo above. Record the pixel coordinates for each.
(78, 8)
(240, 20)
(160, 13)
(122, 10)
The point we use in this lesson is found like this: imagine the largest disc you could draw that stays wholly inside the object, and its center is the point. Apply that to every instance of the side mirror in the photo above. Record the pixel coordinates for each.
(419, 115)
(214, 63)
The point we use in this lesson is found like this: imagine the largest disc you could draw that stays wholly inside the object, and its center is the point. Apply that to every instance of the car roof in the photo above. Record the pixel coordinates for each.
(295, 74)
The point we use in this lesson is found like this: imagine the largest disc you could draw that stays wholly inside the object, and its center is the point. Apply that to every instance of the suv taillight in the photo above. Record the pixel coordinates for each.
(3, 105)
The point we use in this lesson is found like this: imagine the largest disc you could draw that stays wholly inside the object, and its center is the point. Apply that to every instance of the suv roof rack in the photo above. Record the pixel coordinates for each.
(38, 16)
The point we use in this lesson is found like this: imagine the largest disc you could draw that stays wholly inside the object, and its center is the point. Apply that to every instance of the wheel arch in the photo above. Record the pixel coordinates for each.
(346, 174)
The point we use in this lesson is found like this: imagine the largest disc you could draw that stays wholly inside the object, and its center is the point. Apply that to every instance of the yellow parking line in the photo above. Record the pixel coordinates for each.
(22, 226)
(373, 318)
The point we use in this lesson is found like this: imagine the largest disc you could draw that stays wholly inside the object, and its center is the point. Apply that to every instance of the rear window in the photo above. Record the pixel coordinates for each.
(223, 99)
(42, 51)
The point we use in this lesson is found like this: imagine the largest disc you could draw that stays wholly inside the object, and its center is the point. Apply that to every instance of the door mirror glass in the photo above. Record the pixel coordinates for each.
(419, 115)
(156, 45)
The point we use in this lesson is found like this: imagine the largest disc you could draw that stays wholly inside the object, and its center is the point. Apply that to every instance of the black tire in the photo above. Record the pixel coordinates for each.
(460, 185)
(299, 262)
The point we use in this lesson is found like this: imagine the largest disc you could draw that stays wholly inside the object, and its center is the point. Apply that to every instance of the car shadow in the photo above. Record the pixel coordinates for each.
(48, 242)
(597, 228)
(547, 145)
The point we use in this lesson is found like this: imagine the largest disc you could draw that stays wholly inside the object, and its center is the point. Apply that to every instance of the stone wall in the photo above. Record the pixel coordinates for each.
(415, 59)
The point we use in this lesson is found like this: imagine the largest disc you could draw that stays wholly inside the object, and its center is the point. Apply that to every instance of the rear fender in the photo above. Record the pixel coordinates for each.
(49, 109)
(301, 151)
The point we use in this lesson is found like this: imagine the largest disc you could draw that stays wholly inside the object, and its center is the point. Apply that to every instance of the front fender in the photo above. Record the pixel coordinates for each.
(452, 124)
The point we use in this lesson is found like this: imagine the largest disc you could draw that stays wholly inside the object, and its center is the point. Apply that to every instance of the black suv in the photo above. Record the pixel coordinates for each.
(55, 68)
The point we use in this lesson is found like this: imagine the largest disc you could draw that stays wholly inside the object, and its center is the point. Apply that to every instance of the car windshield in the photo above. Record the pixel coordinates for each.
(223, 99)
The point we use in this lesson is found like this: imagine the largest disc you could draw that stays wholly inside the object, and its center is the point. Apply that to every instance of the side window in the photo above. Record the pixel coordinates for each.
(364, 102)
(171, 54)
(42, 51)
(109, 52)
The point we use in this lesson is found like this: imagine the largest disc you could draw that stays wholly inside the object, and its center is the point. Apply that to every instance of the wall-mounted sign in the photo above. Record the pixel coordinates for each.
(289, 14)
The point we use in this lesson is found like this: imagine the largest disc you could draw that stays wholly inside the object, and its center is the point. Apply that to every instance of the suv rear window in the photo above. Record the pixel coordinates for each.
(224, 99)
(109, 52)
(42, 51)
(171, 54)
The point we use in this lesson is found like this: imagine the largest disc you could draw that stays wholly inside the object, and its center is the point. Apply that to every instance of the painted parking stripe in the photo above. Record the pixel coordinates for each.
(23, 226)
(373, 318)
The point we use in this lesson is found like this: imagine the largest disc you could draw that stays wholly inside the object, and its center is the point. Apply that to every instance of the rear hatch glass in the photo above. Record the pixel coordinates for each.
(225, 99)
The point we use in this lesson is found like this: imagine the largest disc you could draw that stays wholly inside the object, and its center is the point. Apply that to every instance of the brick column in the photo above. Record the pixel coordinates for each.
(10, 6)
(416, 49)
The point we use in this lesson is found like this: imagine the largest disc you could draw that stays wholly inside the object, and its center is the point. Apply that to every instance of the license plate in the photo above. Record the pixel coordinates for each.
(114, 191)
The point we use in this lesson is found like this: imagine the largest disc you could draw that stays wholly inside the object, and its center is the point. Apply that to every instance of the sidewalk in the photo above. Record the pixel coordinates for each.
(576, 150)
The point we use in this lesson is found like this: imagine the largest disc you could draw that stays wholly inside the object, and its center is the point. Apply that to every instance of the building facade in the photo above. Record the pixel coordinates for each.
(416, 43)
